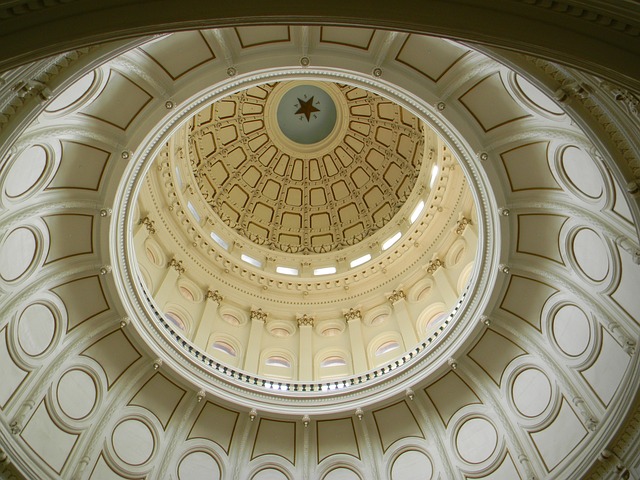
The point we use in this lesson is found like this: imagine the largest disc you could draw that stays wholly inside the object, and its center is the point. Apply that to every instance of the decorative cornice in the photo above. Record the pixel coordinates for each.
(617, 23)
(622, 95)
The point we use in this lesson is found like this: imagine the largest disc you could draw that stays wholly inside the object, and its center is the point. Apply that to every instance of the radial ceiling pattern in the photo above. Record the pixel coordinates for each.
(535, 384)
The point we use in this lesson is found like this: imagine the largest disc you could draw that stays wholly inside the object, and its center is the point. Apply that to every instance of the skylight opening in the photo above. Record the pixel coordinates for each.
(287, 270)
(251, 260)
(434, 176)
(219, 241)
(194, 212)
(417, 211)
(360, 260)
(389, 242)
(324, 271)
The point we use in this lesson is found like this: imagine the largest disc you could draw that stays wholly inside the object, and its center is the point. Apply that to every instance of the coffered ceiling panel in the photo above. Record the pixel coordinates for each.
(180, 53)
(198, 466)
(26, 171)
(69, 235)
(257, 36)
(114, 353)
(491, 105)
(430, 56)
(102, 471)
(506, 471)
(76, 393)
(450, 394)
(605, 374)
(412, 465)
(81, 166)
(337, 437)
(160, 396)
(494, 352)
(275, 437)
(527, 167)
(352, 37)
(118, 114)
(215, 423)
(582, 172)
(13, 375)
(571, 330)
(537, 294)
(37, 327)
(90, 289)
(51, 443)
(557, 440)
(394, 422)
(539, 235)
(623, 295)
(18, 252)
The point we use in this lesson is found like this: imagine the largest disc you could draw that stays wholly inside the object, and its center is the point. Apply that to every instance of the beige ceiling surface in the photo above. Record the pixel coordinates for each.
(543, 385)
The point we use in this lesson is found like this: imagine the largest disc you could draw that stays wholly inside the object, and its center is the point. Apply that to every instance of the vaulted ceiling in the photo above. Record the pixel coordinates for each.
(533, 374)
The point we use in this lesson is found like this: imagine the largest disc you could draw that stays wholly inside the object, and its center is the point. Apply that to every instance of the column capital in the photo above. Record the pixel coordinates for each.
(177, 265)
(434, 265)
(215, 296)
(148, 223)
(305, 320)
(462, 224)
(258, 314)
(352, 314)
(396, 295)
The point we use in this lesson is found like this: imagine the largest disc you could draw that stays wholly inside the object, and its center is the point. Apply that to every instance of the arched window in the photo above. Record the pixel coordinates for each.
(386, 347)
(333, 361)
(175, 320)
(277, 361)
(224, 347)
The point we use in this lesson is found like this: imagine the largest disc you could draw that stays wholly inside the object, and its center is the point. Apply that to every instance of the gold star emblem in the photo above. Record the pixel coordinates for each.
(306, 108)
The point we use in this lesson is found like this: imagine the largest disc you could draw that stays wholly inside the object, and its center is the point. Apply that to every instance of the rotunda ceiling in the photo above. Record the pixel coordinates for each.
(295, 234)
(143, 337)
(306, 176)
